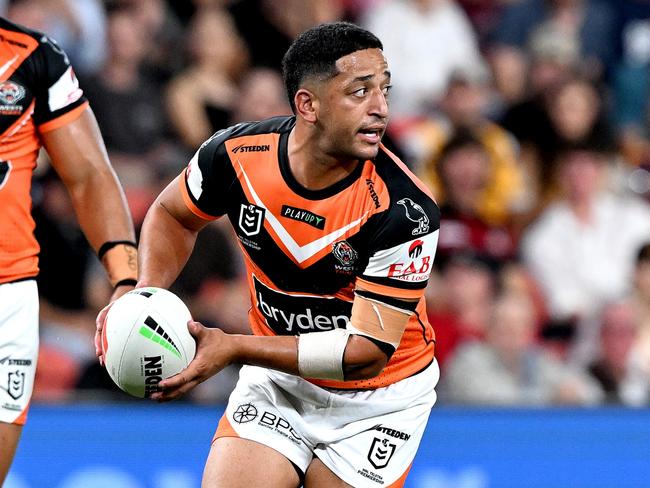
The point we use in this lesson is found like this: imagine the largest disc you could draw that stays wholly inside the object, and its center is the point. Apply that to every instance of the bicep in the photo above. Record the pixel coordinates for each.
(76, 149)
(171, 201)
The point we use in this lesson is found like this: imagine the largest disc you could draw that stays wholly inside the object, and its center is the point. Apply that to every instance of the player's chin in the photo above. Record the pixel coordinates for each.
(367, 151)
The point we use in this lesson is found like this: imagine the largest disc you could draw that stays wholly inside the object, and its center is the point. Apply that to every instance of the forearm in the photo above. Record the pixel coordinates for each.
(79, 157)
(165, 247)
(274, 352)
(281, 353)
(101, 209)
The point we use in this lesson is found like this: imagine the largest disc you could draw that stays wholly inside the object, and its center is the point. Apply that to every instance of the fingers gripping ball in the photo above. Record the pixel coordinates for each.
(145, 340)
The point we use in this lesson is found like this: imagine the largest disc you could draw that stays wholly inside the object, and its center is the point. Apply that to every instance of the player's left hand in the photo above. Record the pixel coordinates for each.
(212, 355)
(101, 319)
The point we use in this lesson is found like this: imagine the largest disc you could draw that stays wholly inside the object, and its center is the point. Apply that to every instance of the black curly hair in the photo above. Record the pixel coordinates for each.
(315, 52)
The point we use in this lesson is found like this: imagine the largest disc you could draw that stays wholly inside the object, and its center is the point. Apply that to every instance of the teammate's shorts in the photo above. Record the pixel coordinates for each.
(368, 438)
(18, 348)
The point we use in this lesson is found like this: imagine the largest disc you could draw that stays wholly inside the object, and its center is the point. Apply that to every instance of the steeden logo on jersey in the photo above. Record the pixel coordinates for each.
(251, 148)
(373, 193)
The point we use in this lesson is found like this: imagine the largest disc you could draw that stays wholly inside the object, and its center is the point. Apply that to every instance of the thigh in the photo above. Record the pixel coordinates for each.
(18, 348)
(320, 476)
(261, 412)
(9, 436)
(240, 463)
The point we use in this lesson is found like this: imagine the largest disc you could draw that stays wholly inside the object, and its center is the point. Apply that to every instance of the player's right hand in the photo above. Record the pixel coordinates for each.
(212, 355)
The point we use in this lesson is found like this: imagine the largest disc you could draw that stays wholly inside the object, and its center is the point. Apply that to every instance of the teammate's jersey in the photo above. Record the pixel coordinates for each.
(38, 93)
(307, 250)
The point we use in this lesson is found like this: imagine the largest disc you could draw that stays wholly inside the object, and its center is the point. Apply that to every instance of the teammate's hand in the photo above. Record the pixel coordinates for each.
(101, 319)
(212, 355)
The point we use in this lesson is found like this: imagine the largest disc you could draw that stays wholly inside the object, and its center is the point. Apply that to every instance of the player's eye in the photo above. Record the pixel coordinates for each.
(360, 92)
(387, 89)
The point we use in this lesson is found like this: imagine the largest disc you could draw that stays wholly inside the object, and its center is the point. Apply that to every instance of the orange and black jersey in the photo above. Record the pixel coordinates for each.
(306, 251)
(38, 93)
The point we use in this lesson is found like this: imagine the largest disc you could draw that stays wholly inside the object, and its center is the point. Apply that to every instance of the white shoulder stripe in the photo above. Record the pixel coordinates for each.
(64, 91)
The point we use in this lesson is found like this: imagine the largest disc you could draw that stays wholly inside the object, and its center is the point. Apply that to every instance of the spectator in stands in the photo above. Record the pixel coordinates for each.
(631, 81)
(200, 99)
(79, 26)
(463, 109)
(261, 95)
(576, 117)
(641, 304)
(587, 24)
(438, 41)
(459, 298)
(465, 171)
(581, 249)
(269, 26)
(165, 55)
(617, 368)
(568, 110)
(483, 14)
(509, 368)
(130, 111)
(128, 105)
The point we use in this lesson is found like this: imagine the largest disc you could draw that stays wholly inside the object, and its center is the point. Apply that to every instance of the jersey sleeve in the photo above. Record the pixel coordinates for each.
(404, 247)
(209, 177)
(59, 99)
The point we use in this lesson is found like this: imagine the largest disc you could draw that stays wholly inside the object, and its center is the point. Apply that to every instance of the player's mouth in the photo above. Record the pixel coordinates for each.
(372, 134)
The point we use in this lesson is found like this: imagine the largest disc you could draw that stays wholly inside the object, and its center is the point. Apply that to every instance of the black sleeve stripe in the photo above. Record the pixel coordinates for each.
(386, 348)
(395, 302)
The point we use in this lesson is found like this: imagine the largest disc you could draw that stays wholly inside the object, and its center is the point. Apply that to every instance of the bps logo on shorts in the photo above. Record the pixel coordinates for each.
(245, 413)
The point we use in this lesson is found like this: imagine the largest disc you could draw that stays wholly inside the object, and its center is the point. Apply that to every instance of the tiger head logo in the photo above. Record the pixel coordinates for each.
(11, 92)
(343, 251)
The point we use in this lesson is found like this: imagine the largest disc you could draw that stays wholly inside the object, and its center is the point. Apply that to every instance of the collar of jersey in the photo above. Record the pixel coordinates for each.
(300, 190)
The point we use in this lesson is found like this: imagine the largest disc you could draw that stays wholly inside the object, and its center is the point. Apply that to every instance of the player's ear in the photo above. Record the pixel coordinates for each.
(306, 105)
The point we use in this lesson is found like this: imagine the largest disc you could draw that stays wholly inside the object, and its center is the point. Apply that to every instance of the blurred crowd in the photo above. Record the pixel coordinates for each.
(528, 119)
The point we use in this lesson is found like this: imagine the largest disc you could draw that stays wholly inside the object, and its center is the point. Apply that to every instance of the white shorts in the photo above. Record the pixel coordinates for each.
(368, 438)
(18, 348)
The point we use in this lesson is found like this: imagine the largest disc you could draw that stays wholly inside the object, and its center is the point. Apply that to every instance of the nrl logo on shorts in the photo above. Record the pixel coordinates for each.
(16, 384)
(250, 219)
(381, 450)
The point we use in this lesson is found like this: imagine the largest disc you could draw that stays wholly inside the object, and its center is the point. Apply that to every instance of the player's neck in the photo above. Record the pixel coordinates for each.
(313, 168)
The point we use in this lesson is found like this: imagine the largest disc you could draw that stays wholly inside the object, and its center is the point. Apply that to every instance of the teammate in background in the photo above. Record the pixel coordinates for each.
(41, 104)
(338, 238)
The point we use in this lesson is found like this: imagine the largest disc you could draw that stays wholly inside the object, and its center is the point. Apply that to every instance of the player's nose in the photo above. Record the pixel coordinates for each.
(379, 105)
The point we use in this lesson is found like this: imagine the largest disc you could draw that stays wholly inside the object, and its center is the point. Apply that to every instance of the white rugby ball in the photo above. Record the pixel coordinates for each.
(145, 339)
